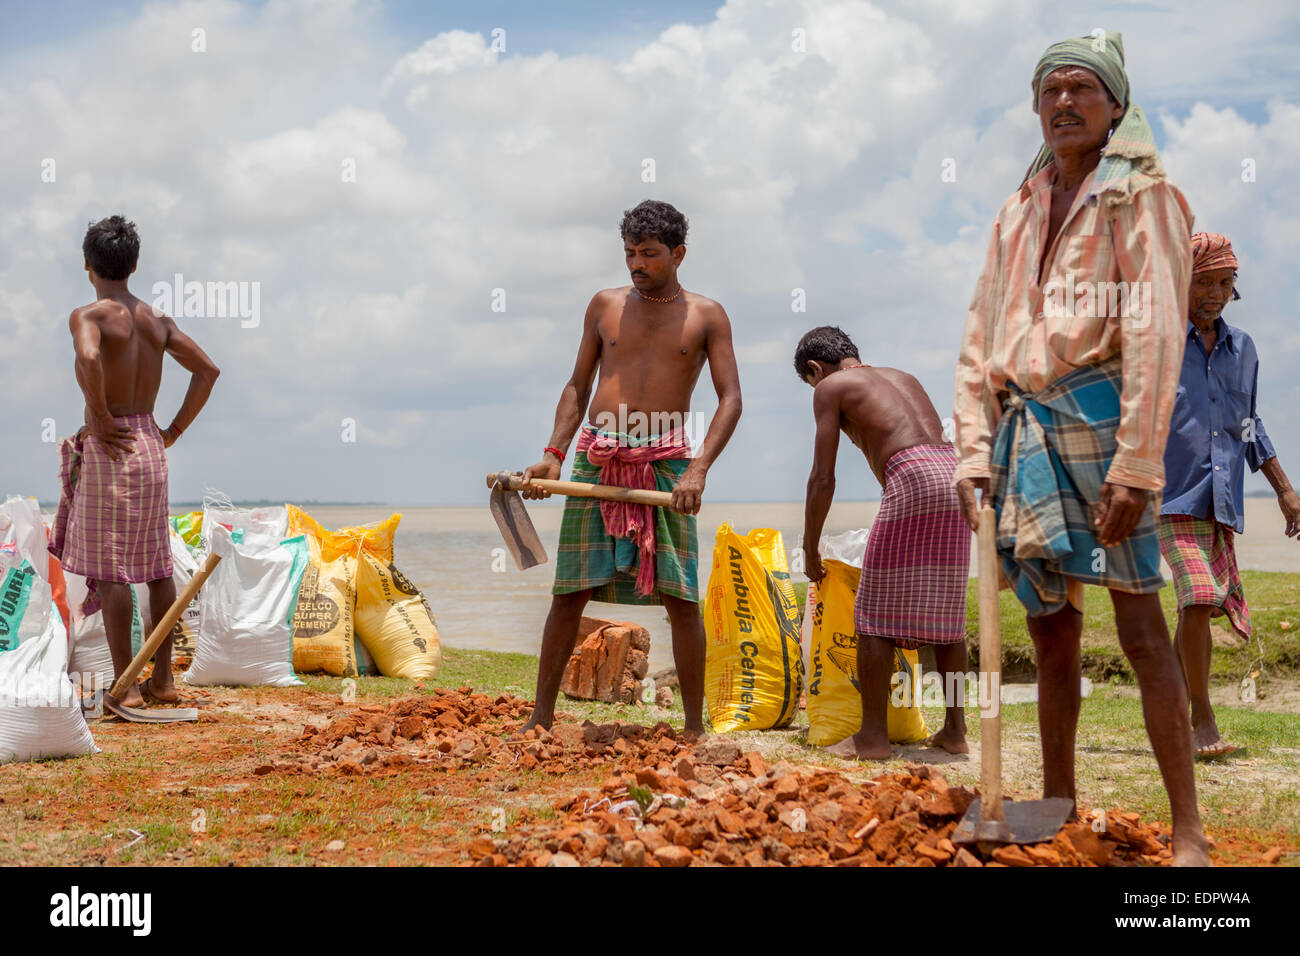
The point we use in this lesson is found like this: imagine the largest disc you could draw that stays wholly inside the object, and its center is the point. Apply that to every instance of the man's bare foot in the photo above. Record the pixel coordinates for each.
(1207, 742)
(1191, 851)
(158, 691)
(850, 749)
(534, 721)
(131, 698)
(951, 740)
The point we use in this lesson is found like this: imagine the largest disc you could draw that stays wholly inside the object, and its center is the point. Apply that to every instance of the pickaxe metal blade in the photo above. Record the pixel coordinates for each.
(517, 529)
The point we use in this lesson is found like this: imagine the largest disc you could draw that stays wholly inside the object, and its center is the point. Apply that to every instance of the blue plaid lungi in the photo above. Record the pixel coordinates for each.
(1051, 452)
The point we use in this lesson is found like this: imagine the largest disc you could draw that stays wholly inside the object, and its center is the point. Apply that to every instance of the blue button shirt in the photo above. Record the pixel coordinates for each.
(1215, 430)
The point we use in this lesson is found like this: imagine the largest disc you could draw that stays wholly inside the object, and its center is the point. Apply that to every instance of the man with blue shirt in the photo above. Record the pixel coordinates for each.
(1215, 430)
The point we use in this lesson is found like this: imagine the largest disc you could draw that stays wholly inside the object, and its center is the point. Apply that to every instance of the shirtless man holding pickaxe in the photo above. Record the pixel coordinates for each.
(650, 341)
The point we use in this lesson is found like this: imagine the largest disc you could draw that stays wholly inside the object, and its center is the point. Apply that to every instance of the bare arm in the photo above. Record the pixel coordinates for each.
(821, 481)
(90, 376)
(203, 375)
(573, 400)
(689, 491)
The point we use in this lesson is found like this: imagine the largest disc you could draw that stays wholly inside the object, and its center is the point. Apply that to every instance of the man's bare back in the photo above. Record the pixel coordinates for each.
(119, 342)
(650, 355)
(132, 340)
(882, 410)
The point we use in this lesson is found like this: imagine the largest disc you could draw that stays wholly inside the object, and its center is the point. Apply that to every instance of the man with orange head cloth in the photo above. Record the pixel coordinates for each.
(1215, 432)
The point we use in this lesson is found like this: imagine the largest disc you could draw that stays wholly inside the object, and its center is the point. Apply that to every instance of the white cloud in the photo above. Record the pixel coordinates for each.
(477, 170)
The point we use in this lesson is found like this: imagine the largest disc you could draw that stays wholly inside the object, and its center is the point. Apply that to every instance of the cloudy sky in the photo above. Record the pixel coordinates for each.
(495, 146)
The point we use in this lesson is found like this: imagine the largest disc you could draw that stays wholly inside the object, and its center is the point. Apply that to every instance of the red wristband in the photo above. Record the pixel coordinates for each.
(554, 451)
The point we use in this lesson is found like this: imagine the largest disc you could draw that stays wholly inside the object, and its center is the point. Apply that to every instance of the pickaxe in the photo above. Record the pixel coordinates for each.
(167, 715)
(517, 528)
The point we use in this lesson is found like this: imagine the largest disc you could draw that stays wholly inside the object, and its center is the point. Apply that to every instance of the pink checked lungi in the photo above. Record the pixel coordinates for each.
(112, 519)
(917, 563)
(1203, 558)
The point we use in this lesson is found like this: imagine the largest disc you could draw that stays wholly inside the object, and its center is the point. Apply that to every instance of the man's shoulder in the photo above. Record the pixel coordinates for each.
(609, 298)
(1165, 199)
(1016, 206)
(703, 305)
(1241, 339)
(96, 311)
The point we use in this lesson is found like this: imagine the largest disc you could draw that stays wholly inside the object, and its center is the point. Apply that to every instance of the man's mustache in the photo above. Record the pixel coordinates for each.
(1061, 116)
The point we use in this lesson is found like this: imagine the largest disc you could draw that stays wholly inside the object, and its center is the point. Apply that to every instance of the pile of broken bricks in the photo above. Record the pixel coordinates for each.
(670, 800)
(712, 805)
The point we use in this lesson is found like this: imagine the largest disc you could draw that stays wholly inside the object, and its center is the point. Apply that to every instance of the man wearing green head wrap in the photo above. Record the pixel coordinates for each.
(1064, 390)
(1129, 161)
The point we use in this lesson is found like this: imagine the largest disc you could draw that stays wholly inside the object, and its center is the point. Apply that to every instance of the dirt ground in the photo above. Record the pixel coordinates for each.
(269, 776)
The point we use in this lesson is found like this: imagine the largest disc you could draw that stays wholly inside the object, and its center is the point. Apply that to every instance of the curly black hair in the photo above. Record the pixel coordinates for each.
(112, 247)
(827, 344)
(654, 220)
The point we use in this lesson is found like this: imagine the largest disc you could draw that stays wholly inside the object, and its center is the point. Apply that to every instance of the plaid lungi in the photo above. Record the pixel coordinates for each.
(112, 519)
(917, 564)
(1051, 452)
(1203, 559)
(589, 557)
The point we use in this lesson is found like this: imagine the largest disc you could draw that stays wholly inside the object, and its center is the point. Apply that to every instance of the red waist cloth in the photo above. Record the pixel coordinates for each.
(632, 466)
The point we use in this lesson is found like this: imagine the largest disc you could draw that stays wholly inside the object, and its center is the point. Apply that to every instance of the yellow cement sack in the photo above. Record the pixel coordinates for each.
(834, 700)
(395, 623)
(753, 669)
(322, 620)
(324, 637)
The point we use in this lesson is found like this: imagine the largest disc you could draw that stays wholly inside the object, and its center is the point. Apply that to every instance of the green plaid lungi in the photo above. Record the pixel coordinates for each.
(1051, 452)
(589, 557)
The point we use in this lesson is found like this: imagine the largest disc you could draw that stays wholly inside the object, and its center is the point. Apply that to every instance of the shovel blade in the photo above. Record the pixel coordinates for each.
(516, 527)
(1026, 821)
(107, 709)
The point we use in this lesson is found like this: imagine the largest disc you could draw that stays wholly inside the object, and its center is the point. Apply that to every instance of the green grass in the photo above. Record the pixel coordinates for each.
(1273, 596)
(1253, 788)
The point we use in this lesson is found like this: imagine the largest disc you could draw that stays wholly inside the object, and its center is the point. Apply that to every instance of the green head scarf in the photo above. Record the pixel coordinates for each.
(1129, 160)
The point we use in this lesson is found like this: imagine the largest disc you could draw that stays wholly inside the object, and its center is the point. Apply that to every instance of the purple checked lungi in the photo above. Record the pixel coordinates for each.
(112, 519)
(917, 563)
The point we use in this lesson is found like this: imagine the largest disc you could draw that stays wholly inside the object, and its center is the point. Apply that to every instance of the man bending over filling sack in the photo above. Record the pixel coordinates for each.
(650, 341)
(917, 562)
(111, 525)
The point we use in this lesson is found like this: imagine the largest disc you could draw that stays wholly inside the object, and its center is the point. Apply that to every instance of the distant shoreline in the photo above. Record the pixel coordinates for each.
(176, 506)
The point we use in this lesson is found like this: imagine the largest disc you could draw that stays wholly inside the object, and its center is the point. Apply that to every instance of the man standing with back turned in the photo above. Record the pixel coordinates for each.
(111, 526)
(1064, 389)
(650, 341)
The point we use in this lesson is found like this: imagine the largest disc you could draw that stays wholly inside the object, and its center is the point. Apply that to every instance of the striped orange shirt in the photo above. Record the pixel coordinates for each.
(1112, 282)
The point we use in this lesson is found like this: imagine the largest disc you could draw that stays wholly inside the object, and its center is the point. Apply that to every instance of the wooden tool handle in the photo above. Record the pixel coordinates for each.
(990, 668)
(159, 633)
(582, 489)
